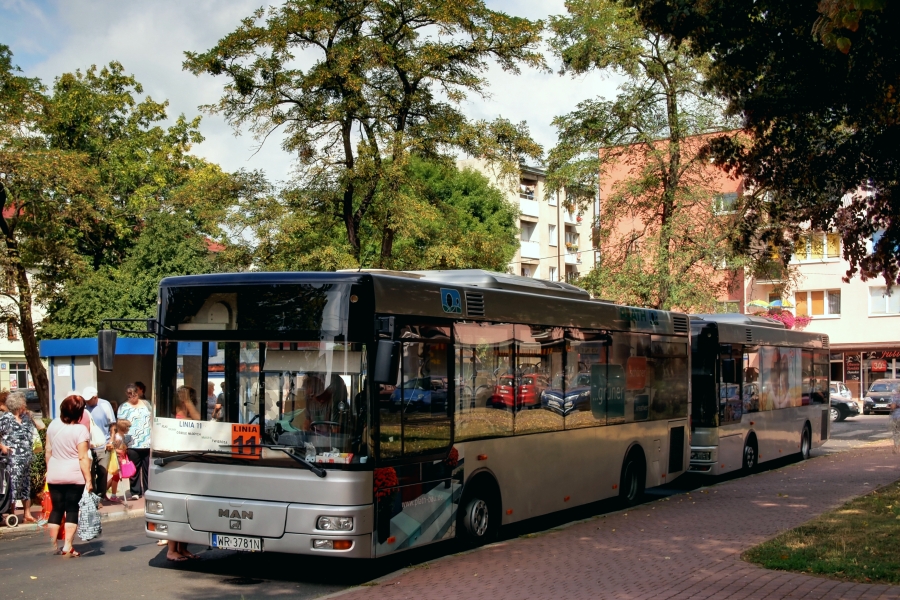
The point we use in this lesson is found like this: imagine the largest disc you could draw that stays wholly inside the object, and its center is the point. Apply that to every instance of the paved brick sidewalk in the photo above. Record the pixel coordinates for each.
(685, 547)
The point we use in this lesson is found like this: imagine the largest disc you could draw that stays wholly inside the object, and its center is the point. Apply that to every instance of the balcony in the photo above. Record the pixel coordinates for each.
(571, 218)
(573, 258)
(529, 207)
(530, 250)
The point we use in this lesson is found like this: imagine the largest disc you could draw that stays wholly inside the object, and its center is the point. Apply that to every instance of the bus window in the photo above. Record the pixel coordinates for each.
(821, 374)
(669, 380)
(539, 356)
(590, 383)
(781, 377)
(414, 418)
(750, 396)
(730, 406)
(484, 376)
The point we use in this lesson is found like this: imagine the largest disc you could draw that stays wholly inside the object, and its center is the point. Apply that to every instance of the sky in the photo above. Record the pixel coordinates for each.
(51, 37)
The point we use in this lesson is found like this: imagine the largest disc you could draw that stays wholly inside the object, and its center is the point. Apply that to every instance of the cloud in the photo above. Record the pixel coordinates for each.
(149, 39)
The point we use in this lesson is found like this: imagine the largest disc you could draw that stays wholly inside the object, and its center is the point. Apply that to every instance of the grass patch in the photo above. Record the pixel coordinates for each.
(859, 541)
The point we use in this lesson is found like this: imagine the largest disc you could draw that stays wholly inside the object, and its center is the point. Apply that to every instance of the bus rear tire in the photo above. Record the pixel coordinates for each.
(631, 483)
(805, 442)
(751, 455)
(479, 522)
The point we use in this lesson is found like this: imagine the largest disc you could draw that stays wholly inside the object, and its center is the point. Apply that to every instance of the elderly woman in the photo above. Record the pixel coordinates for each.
(16, 438)
(68, 459)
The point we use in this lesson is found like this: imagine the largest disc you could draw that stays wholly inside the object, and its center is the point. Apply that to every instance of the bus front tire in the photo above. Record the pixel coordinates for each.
(479, 522)
(631, 483)
(805, 442)
(751, 455)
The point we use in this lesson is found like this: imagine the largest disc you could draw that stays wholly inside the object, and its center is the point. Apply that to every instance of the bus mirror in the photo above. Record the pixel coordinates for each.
(729, 374)
(106, 349)
(387, 362)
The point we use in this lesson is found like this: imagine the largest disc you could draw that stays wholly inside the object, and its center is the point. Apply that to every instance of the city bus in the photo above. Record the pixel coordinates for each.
(759, 392)
(369, 412)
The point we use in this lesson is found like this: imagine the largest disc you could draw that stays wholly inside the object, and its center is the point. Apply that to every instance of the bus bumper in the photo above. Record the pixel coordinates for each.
(704, 460)
(295, 534)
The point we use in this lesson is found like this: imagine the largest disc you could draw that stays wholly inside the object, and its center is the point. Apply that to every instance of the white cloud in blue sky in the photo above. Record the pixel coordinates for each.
(50, 37)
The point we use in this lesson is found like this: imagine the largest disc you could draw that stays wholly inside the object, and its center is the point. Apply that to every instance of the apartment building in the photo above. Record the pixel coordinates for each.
(860, 319)
(555, 242)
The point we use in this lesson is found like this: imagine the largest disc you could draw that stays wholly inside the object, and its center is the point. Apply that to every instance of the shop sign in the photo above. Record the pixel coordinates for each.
(878, 366)
(883, 354)
(852, 367)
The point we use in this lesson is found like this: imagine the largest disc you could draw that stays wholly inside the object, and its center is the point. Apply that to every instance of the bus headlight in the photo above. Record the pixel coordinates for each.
(335, 523)
(701, 455)
(154, 507)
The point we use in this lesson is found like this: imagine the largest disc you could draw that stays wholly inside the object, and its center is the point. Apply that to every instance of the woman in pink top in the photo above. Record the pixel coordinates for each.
(68, 469)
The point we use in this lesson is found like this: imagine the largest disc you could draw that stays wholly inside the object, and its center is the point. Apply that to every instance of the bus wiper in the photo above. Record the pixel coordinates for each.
(161, 462)
(287, 450)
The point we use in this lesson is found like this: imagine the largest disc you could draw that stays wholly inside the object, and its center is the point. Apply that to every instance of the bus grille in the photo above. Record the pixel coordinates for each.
(474, 304)
(679, 324)
(749, 337)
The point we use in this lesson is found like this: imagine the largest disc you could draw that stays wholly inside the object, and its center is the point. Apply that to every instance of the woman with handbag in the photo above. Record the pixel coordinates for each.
(68, 460)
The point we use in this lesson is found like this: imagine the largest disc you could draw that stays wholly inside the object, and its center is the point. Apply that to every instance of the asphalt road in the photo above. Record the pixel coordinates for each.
(123, 564)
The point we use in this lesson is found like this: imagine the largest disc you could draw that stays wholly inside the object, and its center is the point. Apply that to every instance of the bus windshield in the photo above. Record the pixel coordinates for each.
(306, 395)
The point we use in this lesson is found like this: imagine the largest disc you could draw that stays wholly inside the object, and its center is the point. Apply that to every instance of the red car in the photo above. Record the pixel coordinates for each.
(526, 391)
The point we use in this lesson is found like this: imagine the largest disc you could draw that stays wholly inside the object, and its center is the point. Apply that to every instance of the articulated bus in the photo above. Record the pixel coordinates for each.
(363, 413)
(759, 392)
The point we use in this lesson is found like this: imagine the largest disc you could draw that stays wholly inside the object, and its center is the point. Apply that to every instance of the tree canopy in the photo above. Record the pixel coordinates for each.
(653, 232)
(383, 83)
(821, 118)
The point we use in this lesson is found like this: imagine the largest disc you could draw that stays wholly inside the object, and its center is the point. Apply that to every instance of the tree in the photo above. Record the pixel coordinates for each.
(665, 201)
(386, 83)
(821, 119)
(45, 200)
(451, 219)
(168, 245)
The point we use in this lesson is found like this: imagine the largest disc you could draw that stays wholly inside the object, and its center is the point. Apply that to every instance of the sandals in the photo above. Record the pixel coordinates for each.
(71, 552)
(178, 559)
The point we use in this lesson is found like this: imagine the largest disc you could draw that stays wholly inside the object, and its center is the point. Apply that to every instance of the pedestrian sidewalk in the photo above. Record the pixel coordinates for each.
(678, 548)
(108, 512)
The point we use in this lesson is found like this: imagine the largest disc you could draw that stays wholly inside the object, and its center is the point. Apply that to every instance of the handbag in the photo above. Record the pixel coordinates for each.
(89, 525)
(127, 470)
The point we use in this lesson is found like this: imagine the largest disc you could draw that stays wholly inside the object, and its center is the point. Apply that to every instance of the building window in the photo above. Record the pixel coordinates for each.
(553, 276)
(819, 303)
(725, 203)
(529, 271)
(553, 236)
(527, 231)
(728, 306)
(882, 304)
(553, 199)
(12, 332)
(19, 376)
(526, 189)
(818, 246)
(571, 240)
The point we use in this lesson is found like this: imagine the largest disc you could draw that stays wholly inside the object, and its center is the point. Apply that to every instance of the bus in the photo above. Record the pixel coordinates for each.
(369, 412)
(759, 392)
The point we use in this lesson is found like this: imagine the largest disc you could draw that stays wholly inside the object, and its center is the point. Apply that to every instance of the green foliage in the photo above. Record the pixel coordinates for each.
(167, 246)
(38, 467)
(821, 125)
(662, 201)
(385, 84)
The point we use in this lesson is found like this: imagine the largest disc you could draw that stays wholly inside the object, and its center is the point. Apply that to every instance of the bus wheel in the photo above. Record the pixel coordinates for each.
(805, 443)
(751, 456)
(480, 522)
(631, 484)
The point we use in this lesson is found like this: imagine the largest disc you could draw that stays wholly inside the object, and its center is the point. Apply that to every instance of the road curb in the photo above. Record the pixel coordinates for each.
(7, 533)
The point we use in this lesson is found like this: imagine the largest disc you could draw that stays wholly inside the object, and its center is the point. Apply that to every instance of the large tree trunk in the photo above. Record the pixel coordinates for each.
(26, 329)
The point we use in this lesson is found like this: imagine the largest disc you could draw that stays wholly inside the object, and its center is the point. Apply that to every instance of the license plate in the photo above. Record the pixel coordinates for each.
(881, 406)
(236, 542)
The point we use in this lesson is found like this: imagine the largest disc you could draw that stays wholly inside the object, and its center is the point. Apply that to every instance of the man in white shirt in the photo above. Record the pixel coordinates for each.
(104, 418)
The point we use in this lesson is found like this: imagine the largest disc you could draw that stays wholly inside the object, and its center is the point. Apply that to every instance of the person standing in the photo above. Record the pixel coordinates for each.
(68, 461)
(137, 411)
(213, 407)
(104, 418)
(16, 439)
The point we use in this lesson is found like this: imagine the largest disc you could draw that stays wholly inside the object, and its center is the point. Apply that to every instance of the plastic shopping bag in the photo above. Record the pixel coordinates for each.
(113, 468)
(89, 525)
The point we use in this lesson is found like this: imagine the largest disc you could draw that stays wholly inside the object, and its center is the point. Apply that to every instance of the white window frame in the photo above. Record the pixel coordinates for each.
(552, 275)
(806, 256)
(826, 315)
(554, 236)
(885, 299)
(528, 225)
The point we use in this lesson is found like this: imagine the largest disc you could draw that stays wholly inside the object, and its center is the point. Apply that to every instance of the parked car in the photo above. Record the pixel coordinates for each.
(837, 388)
(881, 393)
(577, 395)
(426, 394)
(841, 407)
(32, 402)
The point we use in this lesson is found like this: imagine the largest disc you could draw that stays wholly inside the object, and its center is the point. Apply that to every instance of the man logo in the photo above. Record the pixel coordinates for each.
(235, 524)
(233, 514)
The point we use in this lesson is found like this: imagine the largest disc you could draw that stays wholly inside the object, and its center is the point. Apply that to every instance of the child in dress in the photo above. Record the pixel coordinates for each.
(119, 442)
